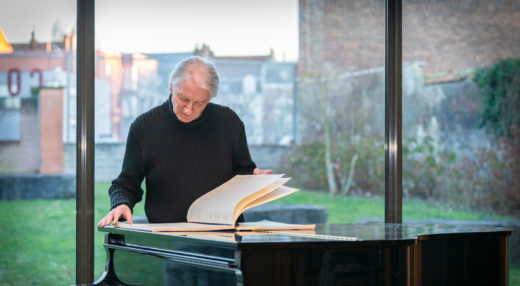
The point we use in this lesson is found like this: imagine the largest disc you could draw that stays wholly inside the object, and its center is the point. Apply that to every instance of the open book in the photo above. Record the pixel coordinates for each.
(220, 208)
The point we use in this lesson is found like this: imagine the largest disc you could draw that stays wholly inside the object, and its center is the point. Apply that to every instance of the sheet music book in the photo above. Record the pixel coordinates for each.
(220, 208)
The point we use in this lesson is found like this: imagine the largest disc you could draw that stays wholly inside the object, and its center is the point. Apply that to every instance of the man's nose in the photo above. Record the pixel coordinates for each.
(188, 109)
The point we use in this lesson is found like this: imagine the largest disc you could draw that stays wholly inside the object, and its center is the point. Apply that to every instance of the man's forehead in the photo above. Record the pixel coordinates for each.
(189, 88)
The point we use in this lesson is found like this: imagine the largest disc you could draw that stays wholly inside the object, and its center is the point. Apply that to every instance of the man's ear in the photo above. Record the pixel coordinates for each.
(171, 88)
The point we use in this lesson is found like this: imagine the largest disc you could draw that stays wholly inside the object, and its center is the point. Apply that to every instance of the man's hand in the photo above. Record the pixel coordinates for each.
(115, 214)
(257, 171)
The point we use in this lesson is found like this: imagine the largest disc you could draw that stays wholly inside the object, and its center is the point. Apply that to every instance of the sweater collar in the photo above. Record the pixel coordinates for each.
(192, 124)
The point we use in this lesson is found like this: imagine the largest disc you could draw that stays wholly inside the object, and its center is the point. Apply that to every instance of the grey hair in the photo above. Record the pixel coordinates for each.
(183, 71)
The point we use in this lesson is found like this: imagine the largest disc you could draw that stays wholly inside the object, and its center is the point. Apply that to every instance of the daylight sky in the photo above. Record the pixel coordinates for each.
(229, 27)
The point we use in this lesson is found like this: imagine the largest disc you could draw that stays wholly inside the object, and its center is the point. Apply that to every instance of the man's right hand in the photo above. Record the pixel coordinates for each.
(114, 215)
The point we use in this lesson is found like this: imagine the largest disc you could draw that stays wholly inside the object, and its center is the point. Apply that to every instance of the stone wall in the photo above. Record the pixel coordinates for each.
(109, 158)
(268, 156)
(37, 186)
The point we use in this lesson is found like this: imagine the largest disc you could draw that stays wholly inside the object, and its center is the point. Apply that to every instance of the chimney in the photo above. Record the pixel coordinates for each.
(33, 42)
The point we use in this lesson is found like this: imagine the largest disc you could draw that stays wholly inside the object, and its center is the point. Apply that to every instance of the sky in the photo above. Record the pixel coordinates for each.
(229, 27)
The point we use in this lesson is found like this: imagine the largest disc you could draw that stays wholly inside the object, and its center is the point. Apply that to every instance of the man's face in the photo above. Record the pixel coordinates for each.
(189, 100)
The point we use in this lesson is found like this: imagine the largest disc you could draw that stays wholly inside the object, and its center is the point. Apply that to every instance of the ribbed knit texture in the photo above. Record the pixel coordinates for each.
(180, 161)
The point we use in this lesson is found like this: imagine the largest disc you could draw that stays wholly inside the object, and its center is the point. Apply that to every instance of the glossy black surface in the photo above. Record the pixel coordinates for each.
(336, 254)
(331, 232)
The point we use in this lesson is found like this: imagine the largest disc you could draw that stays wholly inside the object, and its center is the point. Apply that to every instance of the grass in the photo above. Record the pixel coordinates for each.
(355, 209)
(37, 241)
(514, 276)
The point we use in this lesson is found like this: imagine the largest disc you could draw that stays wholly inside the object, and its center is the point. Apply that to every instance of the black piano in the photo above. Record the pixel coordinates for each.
(335, 254)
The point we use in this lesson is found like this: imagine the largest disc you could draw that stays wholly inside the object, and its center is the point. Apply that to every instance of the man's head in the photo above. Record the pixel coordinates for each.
(193, 82)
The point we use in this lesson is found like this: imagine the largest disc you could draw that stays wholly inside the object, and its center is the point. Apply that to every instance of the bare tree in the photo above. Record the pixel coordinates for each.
(317, 91)
(340, 108)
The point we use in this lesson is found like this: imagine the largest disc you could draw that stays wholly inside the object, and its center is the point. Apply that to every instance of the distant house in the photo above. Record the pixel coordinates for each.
(26, 68)
(262, 93)
(260, 90)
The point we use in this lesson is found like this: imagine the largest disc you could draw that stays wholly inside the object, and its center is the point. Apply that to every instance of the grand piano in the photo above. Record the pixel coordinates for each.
(335, 254)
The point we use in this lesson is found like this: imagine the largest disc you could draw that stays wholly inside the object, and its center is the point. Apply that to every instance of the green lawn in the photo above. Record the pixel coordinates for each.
(354, 209)
(37, 241)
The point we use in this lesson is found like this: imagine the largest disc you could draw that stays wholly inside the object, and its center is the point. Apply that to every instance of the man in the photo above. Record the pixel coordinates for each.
(184, 148)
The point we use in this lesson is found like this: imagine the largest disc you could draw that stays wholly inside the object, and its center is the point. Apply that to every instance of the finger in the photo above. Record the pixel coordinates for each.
(128, 217)
(103, 221)
(126, 212)
(107, 219)
(257, 171)
(117, 214)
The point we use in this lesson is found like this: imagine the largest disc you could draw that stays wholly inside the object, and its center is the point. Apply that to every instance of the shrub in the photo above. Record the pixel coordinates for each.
(499, 86)
(505, 170)
(424, 167)
(306, 164)
(487, 180)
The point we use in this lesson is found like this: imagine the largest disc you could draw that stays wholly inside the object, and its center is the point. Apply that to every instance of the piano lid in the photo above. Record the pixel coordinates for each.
(325, 233)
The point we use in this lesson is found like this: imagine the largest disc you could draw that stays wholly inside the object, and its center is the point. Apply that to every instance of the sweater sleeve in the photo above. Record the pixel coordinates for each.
(126, 188)
(242, 162)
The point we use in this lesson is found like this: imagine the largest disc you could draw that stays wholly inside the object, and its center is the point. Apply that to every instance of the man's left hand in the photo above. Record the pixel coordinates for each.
(257, 171)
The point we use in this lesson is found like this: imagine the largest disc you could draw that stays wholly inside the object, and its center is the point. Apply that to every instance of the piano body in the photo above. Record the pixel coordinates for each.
(335, 254)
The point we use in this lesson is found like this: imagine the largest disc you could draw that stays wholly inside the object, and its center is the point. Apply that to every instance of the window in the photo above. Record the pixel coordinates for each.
(460, 144)
(37, 151)
(308, 87)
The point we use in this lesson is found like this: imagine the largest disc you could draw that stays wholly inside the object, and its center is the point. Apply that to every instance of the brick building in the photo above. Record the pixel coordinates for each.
(449, 37)
(40, 78)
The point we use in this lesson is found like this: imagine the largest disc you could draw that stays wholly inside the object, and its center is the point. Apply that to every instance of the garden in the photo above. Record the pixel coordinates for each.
(38, 245)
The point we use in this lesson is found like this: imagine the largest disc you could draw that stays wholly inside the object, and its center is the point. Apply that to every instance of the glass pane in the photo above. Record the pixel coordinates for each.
(37, 154)
(338, 153)
(460, 114)
(307, 86)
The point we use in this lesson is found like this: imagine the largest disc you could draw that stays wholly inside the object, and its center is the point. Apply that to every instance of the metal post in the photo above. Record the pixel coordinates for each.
(85, 143)
(393, 113)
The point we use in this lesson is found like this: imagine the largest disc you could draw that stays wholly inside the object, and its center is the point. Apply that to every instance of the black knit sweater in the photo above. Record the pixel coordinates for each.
(180, 161)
